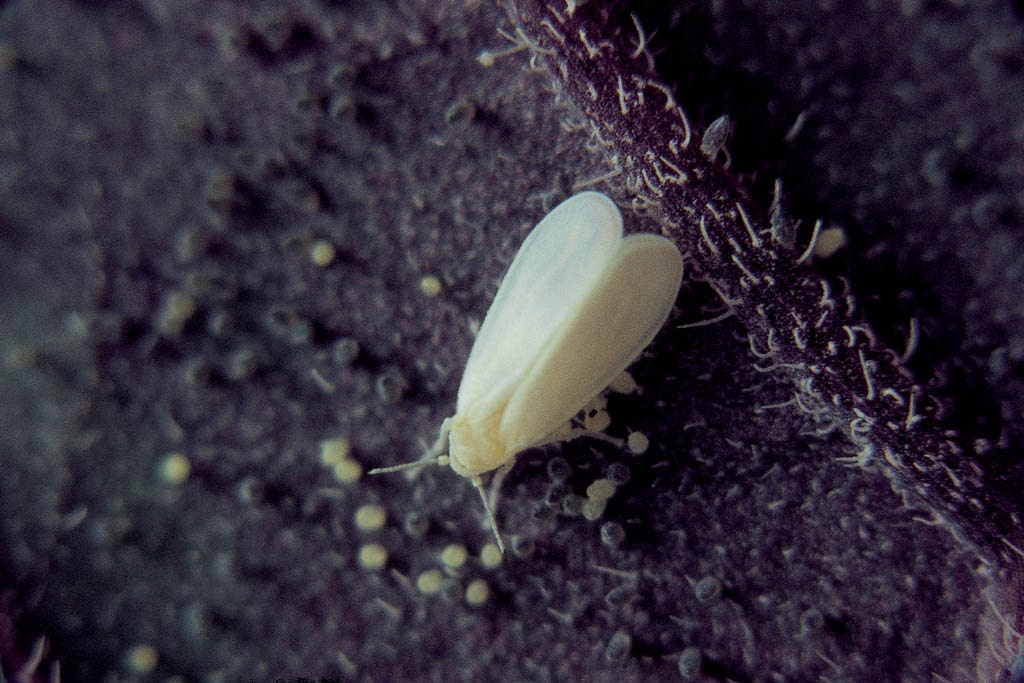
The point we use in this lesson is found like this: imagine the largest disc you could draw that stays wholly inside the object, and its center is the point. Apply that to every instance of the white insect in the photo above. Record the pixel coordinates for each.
(576, 307)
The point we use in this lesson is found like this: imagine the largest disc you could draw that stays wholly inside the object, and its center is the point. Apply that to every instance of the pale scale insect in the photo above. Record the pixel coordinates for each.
(576, 307)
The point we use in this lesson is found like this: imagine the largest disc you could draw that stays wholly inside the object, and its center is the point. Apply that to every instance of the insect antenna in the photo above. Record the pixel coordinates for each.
(435, 456)
(439, 460)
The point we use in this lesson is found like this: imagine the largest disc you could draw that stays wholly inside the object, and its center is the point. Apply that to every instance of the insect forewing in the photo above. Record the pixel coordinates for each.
(620, 315)
(556, 267)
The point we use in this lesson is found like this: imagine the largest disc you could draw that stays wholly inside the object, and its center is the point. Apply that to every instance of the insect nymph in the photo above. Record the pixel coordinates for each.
(576, 307)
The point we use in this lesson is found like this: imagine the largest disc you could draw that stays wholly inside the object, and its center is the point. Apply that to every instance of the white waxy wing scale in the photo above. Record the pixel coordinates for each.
(556, 267)
(603, 334)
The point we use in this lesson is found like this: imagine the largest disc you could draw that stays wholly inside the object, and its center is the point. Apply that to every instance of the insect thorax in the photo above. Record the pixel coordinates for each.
(476, 446)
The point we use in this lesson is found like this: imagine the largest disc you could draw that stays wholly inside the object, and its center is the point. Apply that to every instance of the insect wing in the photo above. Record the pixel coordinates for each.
(620, 316)
(560, 261)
